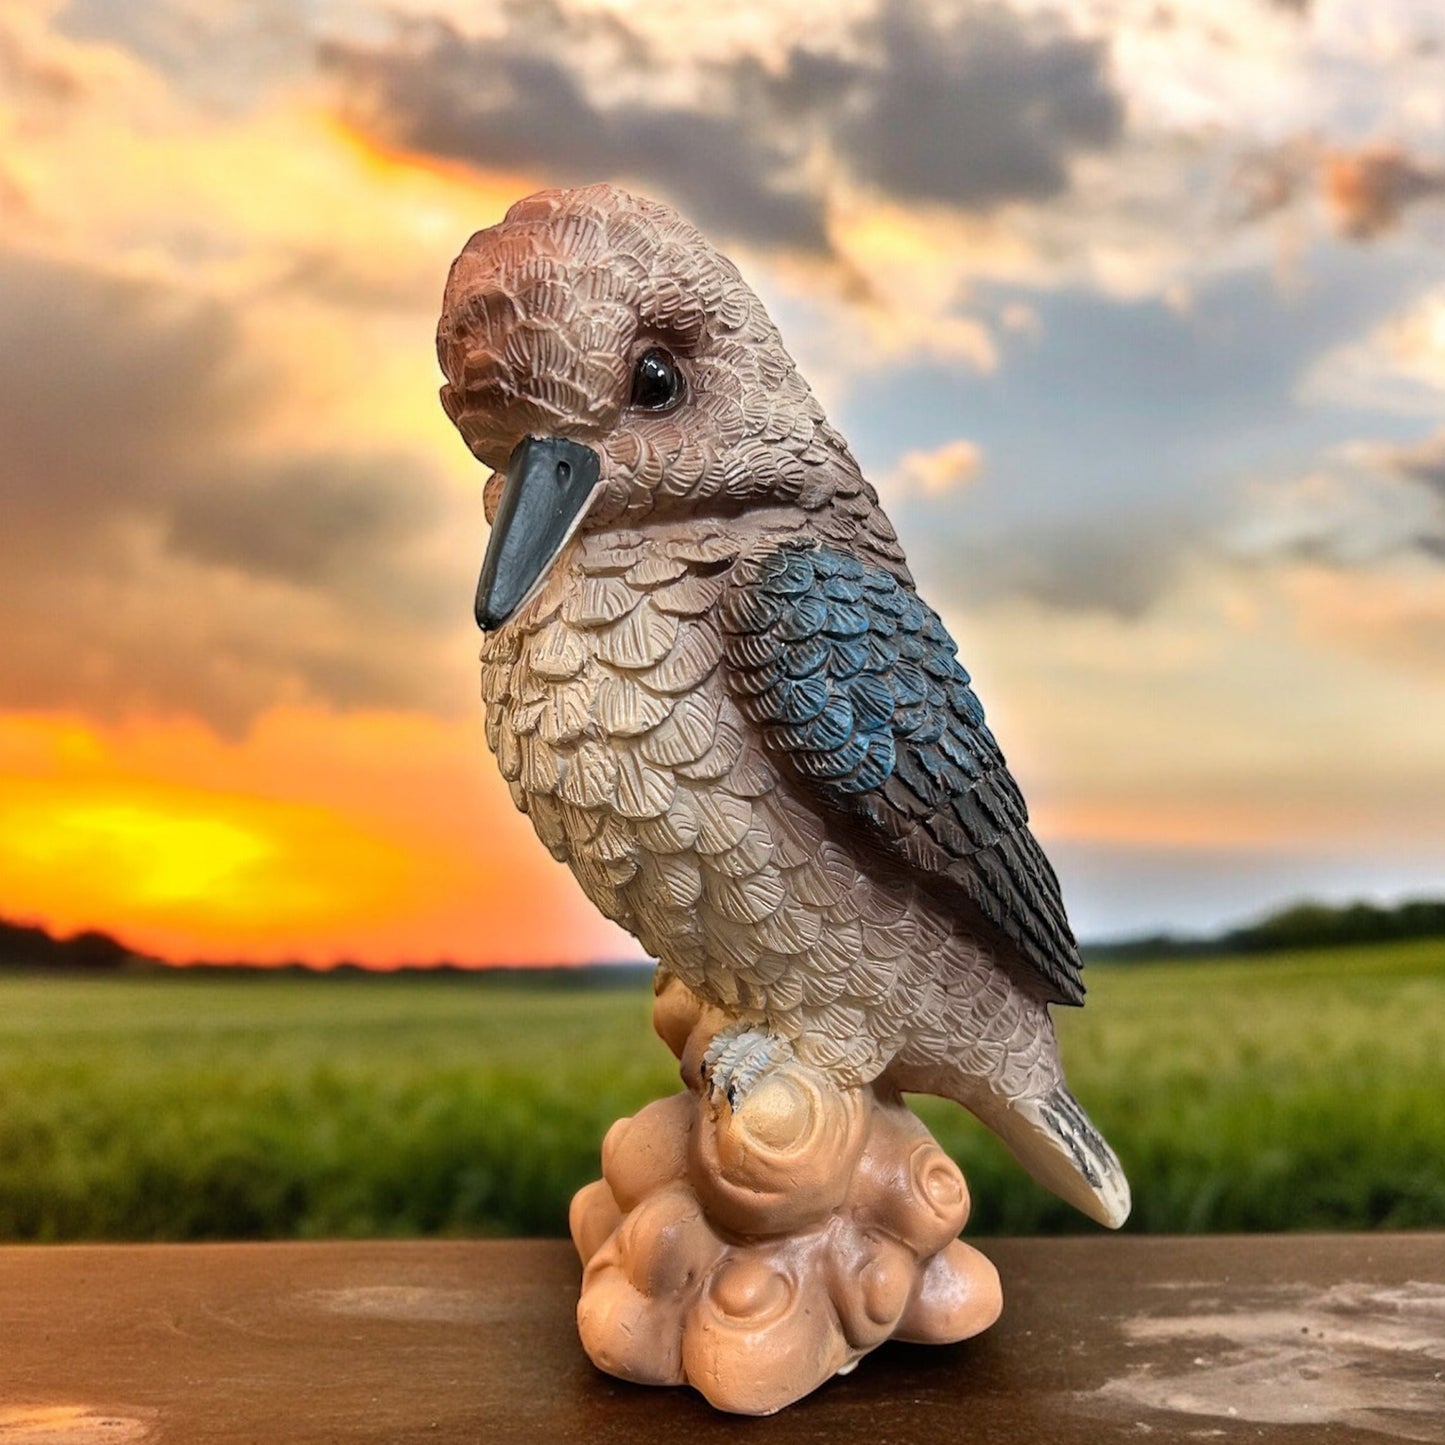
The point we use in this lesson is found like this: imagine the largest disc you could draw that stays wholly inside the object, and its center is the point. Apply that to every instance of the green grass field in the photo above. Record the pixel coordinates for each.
(1299, 1091)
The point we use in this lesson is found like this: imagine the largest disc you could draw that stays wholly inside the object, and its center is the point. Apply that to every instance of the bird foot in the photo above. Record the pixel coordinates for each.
(736, 1059)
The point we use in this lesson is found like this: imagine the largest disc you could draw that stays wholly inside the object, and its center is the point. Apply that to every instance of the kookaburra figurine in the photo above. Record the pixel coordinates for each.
(712, 686)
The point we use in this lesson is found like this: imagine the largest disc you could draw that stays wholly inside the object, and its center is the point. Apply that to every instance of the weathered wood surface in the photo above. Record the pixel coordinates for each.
(1291, 1339)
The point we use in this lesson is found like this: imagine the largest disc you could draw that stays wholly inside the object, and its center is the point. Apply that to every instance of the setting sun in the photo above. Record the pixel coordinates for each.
(168, 857)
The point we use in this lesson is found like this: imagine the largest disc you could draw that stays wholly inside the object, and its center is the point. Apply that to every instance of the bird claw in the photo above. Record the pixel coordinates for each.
(736, 1059)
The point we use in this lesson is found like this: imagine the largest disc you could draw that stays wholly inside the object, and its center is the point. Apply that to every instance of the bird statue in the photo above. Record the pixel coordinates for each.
(713, 688)
(711, 685)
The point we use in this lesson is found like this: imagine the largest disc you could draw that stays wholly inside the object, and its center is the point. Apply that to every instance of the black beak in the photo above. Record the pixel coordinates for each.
(550, 484)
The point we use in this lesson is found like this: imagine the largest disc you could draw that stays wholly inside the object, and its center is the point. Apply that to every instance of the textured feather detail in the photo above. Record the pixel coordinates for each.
(686, 734)
(752, 853)
(596, 601)
(723, 820)
(639, 640)
(718, 760)
(654, 570)
(676, 831)
(854, 681)
(695, 652)
(590, 775)
(555, 654)
(566, 713)
(625, 711)
(690, 596)
(642, 791)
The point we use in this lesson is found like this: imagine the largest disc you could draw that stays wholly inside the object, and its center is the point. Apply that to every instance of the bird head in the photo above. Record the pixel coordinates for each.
(612, 367)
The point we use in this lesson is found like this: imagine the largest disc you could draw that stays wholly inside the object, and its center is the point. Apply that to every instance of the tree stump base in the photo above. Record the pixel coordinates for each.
(754, 1254)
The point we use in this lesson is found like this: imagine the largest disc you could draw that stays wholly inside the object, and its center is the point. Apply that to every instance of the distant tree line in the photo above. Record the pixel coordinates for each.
(26, 945)
(1306, 925)
(1302, 925)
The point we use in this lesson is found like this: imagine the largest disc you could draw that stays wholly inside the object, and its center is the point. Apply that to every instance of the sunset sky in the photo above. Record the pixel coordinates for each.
(1133, 311)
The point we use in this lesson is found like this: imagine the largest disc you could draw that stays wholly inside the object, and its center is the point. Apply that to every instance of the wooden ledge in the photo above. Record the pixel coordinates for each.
(1304, 1339)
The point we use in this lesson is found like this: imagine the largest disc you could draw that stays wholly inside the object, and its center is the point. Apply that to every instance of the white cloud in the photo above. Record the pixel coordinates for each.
(1398, 367)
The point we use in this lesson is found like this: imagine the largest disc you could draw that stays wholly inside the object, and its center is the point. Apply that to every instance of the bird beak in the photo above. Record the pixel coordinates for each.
(551, 483)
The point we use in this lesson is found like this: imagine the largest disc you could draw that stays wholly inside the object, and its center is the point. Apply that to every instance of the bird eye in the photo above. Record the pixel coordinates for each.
(656, 382)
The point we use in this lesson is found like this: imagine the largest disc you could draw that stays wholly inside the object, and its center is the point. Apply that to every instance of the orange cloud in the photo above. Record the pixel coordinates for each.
(1367, 190)
(380, 837)
(1395, 617)
(940, 471)
(397, 166)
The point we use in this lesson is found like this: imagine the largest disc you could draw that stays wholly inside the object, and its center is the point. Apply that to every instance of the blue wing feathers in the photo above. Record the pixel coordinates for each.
(873, 771)
(841, 589)
(803, 619)
(804, 660)
(873, 703)
(845, 620)
(848, 659)
(854, 681)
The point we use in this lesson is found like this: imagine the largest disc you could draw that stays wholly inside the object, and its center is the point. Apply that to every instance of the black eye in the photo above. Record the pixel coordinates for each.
(656, 383)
